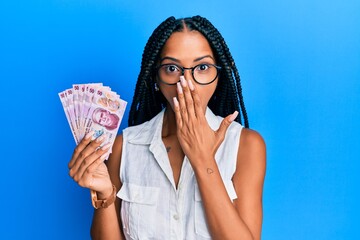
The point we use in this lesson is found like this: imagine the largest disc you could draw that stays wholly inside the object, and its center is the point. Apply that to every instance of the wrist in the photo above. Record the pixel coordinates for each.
(99, 202)
(106, 193)
(202, 165)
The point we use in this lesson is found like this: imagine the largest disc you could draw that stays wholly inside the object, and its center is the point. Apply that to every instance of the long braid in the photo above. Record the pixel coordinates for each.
(223, 105)
(145, 104)
(238, 84)
(228, 95)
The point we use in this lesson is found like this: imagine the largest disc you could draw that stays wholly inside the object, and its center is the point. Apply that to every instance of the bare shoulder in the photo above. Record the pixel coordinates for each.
(248, 179)
(252, 149)
(113, 163)
(117, 147)
(251, 139)
(251, 160)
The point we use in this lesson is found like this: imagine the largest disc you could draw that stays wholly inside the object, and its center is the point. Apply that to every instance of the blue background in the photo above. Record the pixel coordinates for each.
(300, 68)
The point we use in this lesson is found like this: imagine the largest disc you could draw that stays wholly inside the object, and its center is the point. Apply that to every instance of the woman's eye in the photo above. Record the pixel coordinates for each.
(171, 68)
(202, 67)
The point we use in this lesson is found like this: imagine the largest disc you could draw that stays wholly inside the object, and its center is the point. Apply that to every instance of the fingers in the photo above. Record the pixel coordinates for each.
(80, 147)
(182, 104)
(196, 100)
(90, 164)
(177, 113)
(82, 152)
(190, 107)
(189, 103)
(225, 125)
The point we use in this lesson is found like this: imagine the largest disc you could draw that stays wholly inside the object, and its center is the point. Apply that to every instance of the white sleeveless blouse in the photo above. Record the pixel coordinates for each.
(152, 207)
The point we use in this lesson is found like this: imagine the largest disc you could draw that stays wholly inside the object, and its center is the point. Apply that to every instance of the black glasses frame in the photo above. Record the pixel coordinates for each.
(218, 68)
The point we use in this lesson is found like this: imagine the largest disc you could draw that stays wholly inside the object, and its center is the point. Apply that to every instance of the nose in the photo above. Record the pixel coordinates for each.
(187, 74)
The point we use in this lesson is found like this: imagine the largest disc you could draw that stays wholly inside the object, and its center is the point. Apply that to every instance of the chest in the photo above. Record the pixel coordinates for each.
(175, 156)
(153, 209)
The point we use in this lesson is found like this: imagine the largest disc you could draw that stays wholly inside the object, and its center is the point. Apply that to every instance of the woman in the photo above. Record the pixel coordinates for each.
(186, 168)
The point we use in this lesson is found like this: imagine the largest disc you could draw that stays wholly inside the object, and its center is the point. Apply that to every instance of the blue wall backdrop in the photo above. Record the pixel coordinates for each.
(300, 67)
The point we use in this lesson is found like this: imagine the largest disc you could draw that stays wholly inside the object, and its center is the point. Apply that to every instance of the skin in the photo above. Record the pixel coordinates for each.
(186, 132)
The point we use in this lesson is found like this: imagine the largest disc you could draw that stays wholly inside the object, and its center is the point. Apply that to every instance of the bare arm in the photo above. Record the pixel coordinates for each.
(106, 221)
(243, 218)
(88, 169)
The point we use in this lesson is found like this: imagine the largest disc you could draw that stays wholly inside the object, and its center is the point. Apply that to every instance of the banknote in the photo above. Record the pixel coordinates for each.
(93, 108)
(64, 102)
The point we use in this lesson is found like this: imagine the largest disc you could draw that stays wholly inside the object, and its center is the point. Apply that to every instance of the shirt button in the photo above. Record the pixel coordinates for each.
(176, 217)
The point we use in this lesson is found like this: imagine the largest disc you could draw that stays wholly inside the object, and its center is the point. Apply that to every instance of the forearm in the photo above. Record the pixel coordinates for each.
(222, 217)
(105, 224)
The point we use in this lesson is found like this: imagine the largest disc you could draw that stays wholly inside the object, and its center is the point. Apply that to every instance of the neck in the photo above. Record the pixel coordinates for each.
(169, 123)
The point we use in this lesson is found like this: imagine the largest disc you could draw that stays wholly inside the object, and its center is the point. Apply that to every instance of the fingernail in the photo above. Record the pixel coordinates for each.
(176, 103)
(182, 78)
(104, 156)
(233, 116)
(101, 138)
(106, 146)
(179, 88)
(183, 81)
(89, 134)
(191, 86)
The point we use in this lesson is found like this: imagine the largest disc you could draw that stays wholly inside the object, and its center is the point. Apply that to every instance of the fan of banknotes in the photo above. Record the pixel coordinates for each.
(93, 108)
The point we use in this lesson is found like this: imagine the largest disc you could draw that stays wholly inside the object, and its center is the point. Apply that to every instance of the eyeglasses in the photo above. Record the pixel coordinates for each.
(203, 73)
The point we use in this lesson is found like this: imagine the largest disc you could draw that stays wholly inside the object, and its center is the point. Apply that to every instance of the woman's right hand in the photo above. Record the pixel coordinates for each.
(87, 166)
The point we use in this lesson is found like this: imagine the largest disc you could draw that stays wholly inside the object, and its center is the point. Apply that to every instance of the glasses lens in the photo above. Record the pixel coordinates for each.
(205, 73)
(169, 73)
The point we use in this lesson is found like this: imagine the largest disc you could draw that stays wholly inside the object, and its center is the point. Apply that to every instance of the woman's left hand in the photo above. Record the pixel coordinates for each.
(198, 141)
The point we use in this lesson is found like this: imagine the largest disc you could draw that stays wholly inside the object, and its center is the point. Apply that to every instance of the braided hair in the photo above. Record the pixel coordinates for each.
(227, 97)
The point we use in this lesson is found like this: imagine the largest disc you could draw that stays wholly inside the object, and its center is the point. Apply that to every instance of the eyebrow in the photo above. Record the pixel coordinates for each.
(178, 61)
